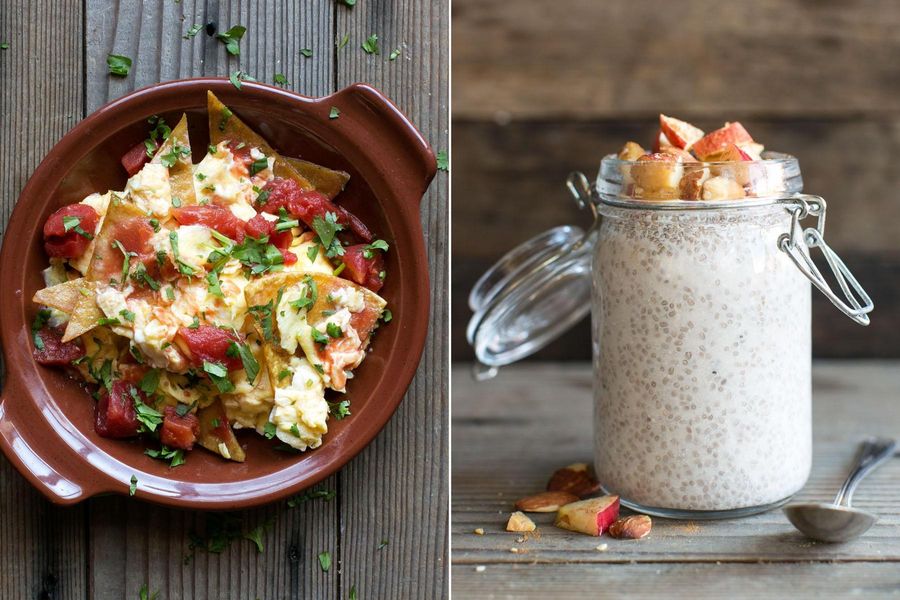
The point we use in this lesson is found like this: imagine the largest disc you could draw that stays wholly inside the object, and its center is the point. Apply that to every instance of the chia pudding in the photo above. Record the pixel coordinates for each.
(702, 359)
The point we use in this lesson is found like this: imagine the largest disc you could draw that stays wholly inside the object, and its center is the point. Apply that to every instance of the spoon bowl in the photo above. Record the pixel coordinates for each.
(829, 522)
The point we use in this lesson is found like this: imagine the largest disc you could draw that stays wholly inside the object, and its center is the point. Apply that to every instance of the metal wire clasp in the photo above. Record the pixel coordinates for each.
(797, 244)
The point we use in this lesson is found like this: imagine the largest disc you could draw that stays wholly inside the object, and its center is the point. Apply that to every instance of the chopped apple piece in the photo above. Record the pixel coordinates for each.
(519, 521)
(656, 176)
(592, 516)
(753, 150)
(660, 142)
(731, 153)
(631, 151)
(722, 188)
(683, 155)
(691, 185)
(716, 141)
(681, 134)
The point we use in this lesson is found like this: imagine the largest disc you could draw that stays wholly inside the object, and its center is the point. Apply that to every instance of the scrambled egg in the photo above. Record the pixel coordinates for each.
(220, 179)
(149, 189)
(300, 410)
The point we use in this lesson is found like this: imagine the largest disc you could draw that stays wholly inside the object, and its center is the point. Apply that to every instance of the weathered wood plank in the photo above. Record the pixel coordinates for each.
(514, 173)
(134, 543)
(652, 581)
(43, 547)
(496, 461)
(579, 57)
(410, 491)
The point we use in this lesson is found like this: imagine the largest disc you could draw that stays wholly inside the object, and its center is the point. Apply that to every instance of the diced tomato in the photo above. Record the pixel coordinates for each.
(309, 204)
(115, 415)
(215, 217)
(177, 431)
(259, 226)
(364, 271)
(134, 235)
(209, 343)
(241, 152)
(60, 243)
(55, 351)
(288, 256)
(135, 159)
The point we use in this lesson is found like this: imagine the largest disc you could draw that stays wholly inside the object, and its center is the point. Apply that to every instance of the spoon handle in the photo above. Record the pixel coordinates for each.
(872, 453)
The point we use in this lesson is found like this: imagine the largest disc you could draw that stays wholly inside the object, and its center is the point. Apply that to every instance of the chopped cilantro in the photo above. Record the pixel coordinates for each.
(269, 430)
(258, 255)
(319, 337)
(255, 535)
(260, 164)
(368, 251)
(154, 223)
(127, 315)
(148, 417)
(247, 359)
(383, 544)
(312, 252)
(350, 3)
(4, 45)
(126, 261)
(339, 410)
(334, 330)
(141, 275)
(339, 270)
(352, 595)
(387, 315)
(170, 294)
(212, 149)
(71, 222)
(226, 114)
(133, 487)
(213, 285)
(144, 593)
(150, 381)
(183, 409)
(310, 495)
(394, 53)
(443, 161)
(169, 159)
(295, 430)
(343, 41)
(219, 376)
(327, 229)
(334, 113)
(306, 52)
(237, 77)
(195, 323)
(194, 30)
(325, 561)
(118, 65)
(159, 131)
(371, 44)
(232, 39)
(175, 456)
(40, 319)
(183, 267)
(280, 79)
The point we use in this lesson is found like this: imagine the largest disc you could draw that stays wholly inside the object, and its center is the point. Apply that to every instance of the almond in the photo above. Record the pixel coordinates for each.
(520, 522)
(545, 502)
(576, 479)
(633, 527)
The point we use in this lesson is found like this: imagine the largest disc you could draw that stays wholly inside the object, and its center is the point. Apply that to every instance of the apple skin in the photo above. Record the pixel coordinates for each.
(731, 153)
(592, 516)
(718, 140)
(680, 134)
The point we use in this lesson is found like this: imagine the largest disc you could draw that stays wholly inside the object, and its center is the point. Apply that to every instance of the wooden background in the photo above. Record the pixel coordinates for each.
(541, 89)
(53, 74)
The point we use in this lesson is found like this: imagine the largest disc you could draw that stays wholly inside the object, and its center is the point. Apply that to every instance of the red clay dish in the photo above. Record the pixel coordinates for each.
(46, 419)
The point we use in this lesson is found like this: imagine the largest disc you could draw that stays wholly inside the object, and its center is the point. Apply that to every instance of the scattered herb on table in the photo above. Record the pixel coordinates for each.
(232, 39)
(443, 161)
(371, 44)
(394, 53)
(133, 487)
(310, 495)
(118, 65)
(307, 52)
(334, 113)
(194, 30)
(325, 561)
(280, 79)
(343, 41)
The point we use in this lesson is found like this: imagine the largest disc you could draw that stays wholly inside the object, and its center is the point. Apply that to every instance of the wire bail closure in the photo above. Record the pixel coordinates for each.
(797, 244)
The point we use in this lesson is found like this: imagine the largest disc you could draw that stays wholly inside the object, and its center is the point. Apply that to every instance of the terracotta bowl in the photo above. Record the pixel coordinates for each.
(46, 419)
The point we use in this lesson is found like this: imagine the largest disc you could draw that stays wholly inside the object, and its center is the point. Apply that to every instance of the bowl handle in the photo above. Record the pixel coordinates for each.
(52, 474)
(386, 137)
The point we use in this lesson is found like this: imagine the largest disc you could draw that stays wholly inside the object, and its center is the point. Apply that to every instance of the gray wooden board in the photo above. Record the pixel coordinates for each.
(510, 434)
(110, 547)
(582, 57)
(43, 548)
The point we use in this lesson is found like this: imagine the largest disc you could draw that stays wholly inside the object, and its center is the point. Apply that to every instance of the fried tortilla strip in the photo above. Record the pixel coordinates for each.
(325, 180)
(62, 296)
(216, 434)
(225, 125)
(181, 174)
(85, 315)
(277, 362)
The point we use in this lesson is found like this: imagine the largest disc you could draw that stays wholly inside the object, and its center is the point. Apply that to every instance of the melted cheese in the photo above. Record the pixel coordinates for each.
(150, 190)
(301, 408)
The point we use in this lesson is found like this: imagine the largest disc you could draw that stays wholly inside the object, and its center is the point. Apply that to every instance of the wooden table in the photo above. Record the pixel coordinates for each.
(511, 433)
(54, 73)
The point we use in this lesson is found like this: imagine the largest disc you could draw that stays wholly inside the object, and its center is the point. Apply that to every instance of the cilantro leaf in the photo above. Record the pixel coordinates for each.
(339, 410)
(310, 495)
(325, 561)
(251, 366)
(334, 113)
(327, 229)
(280, 79)
(40, 319)
(269, 430)
(118, 65)
(232, 39)
(443, 161)
(368, 251)
(133, 487)
(150, 381)
(371, 44)
(194, 30)
(394, 53)
(219, 376)
(306, 52)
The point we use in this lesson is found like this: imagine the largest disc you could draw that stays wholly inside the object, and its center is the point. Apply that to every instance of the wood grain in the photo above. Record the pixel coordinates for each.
(43, 548)
(496, 461)
(412, 501)
(601, 59)
(699, 581)
(509, 186)
(112, 546)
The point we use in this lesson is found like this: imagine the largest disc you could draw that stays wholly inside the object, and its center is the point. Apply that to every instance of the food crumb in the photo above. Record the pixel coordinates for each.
(514, 550)
(480, 569)
(520, 540)
(479, 531)
(603, 547)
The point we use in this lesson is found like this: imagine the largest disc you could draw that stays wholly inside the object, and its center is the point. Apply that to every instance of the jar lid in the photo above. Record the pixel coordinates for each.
(531, 296)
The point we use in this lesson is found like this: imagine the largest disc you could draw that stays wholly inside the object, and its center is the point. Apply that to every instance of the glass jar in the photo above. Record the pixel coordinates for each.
(701, 330)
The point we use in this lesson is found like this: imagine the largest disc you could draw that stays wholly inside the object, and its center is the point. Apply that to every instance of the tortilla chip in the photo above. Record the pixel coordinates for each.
(277, 361)
(325, 180)
(213, 437)
(120, 209)
(181, 174)
(225, 125)
(86, 313)
(62, 296)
